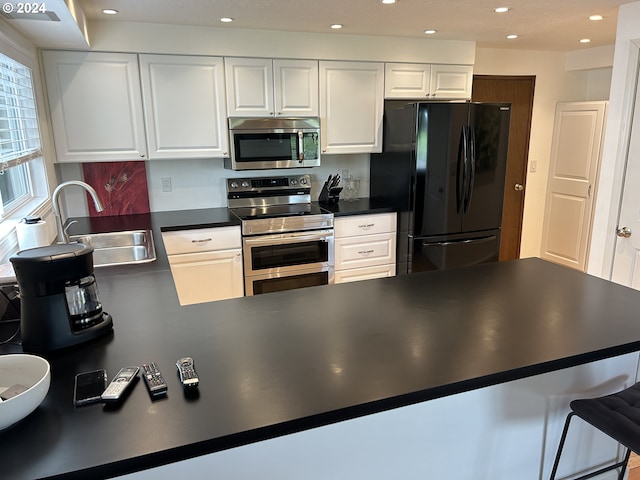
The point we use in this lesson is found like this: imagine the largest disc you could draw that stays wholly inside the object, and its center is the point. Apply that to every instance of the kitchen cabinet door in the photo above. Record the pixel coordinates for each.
(262, 87)
(207, 276)
(365, 247)
(249, 87)
(96, 106)
(296, 88)
(206, 263)
(184, 106)
(451, 82)
(431, 82)
(351, 106)
(407, 80)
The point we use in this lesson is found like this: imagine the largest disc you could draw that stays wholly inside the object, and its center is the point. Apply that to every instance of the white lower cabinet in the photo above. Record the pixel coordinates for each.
(365, 247)
(206, 264)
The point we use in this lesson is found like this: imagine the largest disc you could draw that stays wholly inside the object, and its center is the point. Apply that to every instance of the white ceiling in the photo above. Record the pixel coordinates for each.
(541, 24)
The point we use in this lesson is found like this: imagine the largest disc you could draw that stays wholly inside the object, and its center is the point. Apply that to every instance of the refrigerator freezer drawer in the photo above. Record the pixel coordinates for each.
(427, 255)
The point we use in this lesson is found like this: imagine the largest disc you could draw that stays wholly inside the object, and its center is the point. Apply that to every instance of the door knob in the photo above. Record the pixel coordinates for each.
(624, 232)
(518, 187)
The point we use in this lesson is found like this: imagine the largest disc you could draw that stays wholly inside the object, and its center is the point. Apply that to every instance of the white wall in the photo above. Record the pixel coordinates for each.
(553, 84)
(612, 167)
(201, 183)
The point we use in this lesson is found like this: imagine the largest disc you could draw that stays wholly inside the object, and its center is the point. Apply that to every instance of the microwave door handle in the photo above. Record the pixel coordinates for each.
(300, 146)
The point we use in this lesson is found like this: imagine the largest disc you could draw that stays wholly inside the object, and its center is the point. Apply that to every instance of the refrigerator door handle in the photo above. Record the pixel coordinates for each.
(471, 138)
(460, 242)
(461, 170)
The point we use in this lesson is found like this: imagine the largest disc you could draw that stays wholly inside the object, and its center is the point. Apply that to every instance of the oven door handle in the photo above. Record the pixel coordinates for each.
(288, 238)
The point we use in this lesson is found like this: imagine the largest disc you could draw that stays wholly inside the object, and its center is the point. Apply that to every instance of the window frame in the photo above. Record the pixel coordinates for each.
(39, 204)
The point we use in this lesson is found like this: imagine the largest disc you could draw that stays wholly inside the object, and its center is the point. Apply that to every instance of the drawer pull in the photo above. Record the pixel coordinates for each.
(204, 240)
(365, 252)
(367, 225)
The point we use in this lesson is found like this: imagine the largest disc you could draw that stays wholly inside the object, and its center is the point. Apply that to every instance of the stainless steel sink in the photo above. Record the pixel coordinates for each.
(119, 248)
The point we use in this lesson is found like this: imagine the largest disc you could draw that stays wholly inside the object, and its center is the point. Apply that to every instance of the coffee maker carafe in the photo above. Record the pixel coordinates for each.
(59, 297)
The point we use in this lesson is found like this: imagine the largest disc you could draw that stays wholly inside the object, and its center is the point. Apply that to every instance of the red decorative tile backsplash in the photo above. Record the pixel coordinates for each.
(121, 187)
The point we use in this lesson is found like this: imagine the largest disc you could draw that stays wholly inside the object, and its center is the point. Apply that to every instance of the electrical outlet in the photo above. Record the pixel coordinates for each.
(166, 184)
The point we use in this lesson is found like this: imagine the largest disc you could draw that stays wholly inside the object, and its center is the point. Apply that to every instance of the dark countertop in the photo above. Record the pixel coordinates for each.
(275, 364)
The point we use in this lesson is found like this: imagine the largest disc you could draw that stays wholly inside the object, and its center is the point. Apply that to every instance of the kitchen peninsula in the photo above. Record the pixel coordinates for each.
(310, 383)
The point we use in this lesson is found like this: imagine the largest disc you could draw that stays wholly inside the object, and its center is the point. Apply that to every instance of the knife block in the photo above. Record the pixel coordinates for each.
(329, 194)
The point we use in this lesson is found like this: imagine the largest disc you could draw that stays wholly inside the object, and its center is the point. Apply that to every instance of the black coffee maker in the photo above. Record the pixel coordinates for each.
(58, 297)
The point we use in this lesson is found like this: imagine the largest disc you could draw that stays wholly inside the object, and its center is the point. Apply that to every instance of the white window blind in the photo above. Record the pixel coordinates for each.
(19, 135)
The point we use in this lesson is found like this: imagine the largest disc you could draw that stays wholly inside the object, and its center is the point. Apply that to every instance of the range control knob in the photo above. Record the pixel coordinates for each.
(245, 184)
(234, 184)
(293, 181)
(303, 181)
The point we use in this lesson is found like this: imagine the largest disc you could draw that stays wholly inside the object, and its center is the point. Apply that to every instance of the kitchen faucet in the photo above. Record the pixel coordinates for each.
(63, 237)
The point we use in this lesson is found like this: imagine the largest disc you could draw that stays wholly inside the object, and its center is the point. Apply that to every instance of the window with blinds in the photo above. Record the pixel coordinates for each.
(19, 134)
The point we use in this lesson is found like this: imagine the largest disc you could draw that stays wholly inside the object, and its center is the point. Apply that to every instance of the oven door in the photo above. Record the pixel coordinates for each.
(277, 282)
(287, 252)
(287, 261)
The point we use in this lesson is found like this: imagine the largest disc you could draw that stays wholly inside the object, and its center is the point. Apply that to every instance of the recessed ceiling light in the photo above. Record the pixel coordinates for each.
(226, 19)
(388, 2)
(512, 36)
(585, 40)
(336, 26)
(109, 11)
(501, 9)
(430, 32)
(595, 18)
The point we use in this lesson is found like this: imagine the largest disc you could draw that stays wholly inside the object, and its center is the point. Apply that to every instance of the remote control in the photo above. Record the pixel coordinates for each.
(120, 384)
(153, 380)
(187, 373)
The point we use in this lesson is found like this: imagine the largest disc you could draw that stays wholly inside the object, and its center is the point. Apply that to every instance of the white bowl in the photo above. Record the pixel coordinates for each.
(30, 371)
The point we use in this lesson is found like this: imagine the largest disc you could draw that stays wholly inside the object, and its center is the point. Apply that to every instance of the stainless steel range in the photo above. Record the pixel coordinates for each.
(287, 241)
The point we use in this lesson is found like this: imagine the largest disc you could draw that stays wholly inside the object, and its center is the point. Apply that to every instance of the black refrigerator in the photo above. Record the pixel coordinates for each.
(443, 167)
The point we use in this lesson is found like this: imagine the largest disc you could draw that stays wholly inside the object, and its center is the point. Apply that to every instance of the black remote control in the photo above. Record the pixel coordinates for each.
(154, 380)
(123, 380)
(187, 373)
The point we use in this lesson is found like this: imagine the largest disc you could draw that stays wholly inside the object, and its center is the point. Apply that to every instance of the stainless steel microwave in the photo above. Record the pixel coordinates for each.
(266, 143)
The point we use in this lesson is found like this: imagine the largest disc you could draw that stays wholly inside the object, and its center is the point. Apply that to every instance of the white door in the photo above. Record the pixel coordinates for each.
(451, 81)
(351, 107)
(96, 106)
(575, 161)
(249, 87)
(185, 106)
(626, 262)
(296, 88)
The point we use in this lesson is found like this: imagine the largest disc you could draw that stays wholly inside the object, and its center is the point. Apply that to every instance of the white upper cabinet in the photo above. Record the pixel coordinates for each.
(184, 106)
(96, 106)
(351, 106)
(296, 88)
(433, 82)
(260, 87)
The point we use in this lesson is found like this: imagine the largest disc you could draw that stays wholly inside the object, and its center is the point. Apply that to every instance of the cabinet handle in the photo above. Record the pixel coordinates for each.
(204, 240)
(365, 252)
(367, 225)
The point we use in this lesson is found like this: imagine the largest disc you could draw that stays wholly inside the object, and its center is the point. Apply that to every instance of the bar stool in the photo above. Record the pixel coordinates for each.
(617, 415)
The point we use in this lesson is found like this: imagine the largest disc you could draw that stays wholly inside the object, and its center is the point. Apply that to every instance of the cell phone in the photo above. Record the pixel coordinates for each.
(89, 387)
